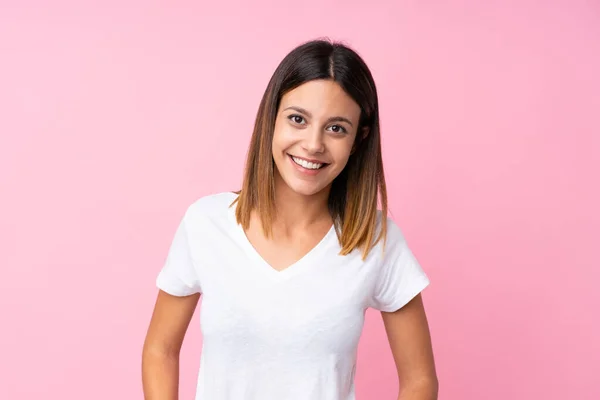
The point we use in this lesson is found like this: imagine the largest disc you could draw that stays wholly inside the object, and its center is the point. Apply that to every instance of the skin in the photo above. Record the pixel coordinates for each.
(307, 126)
(317, 121)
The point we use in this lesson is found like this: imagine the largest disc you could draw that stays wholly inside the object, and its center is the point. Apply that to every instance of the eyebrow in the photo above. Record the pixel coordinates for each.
(332, 119)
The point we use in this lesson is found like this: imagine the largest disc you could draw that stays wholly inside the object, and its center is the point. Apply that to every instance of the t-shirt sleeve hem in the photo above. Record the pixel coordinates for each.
(172, 288)
(407, 296)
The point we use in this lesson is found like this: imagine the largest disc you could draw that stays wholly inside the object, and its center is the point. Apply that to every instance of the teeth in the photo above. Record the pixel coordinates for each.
(306, 164)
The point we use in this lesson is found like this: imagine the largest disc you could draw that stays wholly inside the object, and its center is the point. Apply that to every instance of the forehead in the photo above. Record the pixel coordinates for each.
(322, 98)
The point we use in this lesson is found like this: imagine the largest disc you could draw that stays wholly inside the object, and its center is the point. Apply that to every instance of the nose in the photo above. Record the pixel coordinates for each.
(313, 141)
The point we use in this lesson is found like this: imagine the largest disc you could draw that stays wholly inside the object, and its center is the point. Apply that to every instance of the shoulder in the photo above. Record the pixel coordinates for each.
(211, 206)
(393, 233)
(394, 241)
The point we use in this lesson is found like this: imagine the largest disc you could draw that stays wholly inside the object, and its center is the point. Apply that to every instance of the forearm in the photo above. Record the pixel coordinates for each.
(424, 390)
(160, 376)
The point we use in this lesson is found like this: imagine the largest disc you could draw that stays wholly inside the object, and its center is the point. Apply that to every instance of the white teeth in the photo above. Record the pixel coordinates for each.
(306, 164)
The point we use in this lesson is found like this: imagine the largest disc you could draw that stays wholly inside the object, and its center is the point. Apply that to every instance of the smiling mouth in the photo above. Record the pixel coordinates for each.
(307, 164)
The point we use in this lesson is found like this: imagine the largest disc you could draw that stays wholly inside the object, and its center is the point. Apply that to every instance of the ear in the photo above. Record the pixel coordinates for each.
(360, 136)
(364, 133)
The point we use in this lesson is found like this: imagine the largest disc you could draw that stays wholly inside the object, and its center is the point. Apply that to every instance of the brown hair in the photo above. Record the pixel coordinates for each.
(355, 192)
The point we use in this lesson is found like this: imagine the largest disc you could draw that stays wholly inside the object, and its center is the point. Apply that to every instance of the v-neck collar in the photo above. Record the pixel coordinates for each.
(262, 264)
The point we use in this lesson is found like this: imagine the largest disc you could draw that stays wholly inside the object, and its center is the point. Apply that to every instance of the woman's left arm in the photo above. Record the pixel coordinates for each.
(410, 340)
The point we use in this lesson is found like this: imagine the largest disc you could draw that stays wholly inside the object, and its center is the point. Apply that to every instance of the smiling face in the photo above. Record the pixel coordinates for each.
(314, 133)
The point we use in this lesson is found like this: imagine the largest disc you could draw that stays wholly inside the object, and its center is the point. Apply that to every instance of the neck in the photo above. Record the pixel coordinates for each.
(296, 211)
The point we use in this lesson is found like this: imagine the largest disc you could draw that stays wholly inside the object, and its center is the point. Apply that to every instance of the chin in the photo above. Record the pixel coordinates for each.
(307, 192)
(302, 189)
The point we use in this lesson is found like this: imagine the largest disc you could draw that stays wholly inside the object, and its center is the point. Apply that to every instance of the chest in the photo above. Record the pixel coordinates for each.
(280, 251)
(315, 305)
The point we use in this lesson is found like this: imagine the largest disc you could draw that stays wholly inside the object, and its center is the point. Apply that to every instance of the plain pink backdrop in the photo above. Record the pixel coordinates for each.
(115, 116)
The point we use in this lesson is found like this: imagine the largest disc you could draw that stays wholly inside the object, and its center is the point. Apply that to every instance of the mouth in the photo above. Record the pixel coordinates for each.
(312, 165)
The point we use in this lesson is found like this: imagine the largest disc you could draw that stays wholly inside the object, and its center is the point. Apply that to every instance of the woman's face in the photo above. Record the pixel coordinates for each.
(315, 129)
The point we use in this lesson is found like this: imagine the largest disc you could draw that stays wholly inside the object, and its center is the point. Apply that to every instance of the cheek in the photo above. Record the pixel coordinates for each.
(342, 151)
(276, 144)
(283, 138)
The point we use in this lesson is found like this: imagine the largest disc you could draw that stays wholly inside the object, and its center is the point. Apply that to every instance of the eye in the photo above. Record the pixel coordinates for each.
(337, 129)
(297, 119)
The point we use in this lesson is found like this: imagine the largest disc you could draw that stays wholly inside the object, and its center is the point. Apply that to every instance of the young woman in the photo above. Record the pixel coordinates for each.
(288, 265)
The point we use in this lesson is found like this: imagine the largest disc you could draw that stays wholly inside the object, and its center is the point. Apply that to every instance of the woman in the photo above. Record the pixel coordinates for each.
(288, 265)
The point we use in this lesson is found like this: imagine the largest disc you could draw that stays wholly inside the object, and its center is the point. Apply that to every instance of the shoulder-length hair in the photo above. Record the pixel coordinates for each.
(354, 195)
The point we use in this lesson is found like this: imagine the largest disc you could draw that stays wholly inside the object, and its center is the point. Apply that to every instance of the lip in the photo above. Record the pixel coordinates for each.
(309, 159)
(306, 171)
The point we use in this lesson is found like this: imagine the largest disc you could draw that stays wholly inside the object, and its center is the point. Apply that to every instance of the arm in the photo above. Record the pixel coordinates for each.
(408, 333)
(160, 355)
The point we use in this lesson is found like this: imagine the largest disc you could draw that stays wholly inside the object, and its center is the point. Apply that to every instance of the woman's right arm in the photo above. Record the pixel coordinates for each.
(160, 355)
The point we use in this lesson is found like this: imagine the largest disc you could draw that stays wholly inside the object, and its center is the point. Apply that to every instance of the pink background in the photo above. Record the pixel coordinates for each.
(114, 117)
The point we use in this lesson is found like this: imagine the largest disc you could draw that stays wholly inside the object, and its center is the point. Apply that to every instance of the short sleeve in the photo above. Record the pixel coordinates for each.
(401, 277)
(178, 275)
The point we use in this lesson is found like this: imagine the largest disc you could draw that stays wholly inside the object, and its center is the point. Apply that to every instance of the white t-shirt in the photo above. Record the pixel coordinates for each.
(281, 335)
